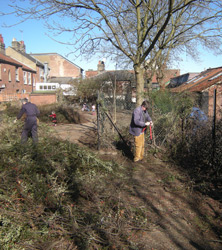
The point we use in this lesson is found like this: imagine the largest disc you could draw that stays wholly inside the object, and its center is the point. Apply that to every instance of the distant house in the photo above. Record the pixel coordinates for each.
(126, 83)
(100, 69)
(16, 79)
(167, 75)
(205, 85)
(60, 67)
(17, 51)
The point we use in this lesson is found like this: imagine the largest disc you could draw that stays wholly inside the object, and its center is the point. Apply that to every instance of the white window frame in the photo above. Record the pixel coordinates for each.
(25, 77)
(9, 75)
(41, 73)
(33, 80)
(29, 78)
(17, 74)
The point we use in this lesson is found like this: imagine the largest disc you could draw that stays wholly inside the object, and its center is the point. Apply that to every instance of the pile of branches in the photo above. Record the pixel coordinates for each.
(55, 195)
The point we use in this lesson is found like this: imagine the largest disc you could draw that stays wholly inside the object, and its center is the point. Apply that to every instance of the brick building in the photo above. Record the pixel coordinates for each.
(125, 79)
(204, 85)
(17, 51)
(60, 67)
(167, 74)
(16, 79)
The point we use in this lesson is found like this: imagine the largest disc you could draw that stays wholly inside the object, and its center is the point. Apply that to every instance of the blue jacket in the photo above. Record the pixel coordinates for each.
(139, 117)
(30, 110)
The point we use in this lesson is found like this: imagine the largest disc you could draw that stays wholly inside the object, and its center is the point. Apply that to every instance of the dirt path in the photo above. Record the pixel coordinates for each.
(178, 217)
(81, 134)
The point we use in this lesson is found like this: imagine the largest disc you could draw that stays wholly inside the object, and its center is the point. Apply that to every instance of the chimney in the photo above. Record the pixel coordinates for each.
(2, 45)
(101, 67)
(22, 46)
(15, 44)
(19, 46)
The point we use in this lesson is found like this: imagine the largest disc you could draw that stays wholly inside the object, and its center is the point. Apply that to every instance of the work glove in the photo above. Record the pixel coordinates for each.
(147, 123)
(15, 121)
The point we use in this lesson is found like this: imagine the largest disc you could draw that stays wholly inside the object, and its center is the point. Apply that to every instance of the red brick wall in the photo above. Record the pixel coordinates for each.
(59, 66)
(13, 87)
(12, 97)
(42, 99)
(219, 101)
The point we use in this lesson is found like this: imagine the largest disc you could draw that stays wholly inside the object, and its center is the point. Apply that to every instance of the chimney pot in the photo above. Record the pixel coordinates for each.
(2, 45)
(100, 67)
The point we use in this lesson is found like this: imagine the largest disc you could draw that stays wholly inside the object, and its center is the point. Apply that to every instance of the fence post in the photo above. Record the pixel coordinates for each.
(98, 120)
(114, 102)
(214, 122)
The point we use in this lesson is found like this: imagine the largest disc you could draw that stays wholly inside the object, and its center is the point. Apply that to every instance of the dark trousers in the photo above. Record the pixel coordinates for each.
(30, 127)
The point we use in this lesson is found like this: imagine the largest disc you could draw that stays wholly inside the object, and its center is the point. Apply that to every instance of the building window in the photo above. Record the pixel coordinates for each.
(23, 91)
(25, 77)
(41, 73)
(33, 80)
(17, 74)
(9, 76)
(17, 91)
(40, 87)
(29, 78)
(49, 87)
(45, 87)
(53, 87)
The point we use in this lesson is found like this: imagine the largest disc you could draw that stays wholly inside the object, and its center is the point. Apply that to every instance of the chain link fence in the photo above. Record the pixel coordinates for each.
(114, 117)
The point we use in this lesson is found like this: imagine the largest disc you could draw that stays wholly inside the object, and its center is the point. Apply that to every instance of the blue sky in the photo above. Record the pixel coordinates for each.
(34, 35)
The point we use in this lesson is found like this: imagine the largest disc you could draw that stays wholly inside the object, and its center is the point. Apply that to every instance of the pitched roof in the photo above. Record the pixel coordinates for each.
(37, 62)
(61, 80)
(179, 80)
(130, 74)
(9, 60)
(120, 75)
(202, 81)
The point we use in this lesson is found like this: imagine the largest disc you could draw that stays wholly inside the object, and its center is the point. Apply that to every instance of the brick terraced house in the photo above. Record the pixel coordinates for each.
(16, 79)
(17, 51)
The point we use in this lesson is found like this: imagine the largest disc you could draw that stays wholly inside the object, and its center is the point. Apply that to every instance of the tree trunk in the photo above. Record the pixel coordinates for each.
(114, 103)
(139, 74)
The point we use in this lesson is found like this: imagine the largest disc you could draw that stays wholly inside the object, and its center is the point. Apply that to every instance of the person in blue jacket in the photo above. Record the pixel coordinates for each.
(31, 111)
(140, 120)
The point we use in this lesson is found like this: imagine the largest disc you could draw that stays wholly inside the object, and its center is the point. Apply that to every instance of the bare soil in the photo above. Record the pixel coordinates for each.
(83, 134)
(179, 217)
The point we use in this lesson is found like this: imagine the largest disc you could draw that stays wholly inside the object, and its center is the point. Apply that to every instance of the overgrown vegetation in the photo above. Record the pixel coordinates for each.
(200, 156)
(187, 141)
(58, 196)
(66, 113)
(184, 141)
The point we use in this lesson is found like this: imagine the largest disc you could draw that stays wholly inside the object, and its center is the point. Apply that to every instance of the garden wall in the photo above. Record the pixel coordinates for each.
(43, 99)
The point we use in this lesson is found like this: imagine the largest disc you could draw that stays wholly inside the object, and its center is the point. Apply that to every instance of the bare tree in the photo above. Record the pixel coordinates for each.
(134, 27)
